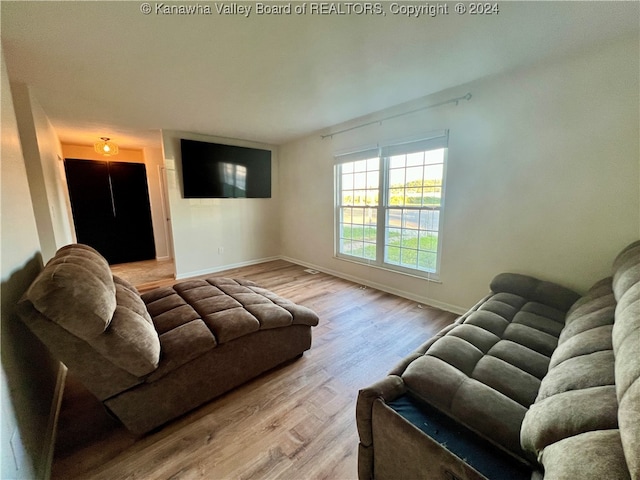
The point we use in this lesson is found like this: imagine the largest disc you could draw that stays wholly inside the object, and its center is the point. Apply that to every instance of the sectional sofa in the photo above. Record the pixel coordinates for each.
(534, 381)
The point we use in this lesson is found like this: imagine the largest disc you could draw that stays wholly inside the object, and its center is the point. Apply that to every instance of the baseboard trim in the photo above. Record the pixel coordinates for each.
(222, 268)
(379, 286)
(52, 428)
(352, 278)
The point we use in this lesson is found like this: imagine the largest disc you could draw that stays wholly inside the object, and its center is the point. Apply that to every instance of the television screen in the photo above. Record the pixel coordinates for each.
(214, 170)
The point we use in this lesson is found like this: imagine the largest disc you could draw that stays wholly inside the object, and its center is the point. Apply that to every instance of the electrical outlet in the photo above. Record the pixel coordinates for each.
(220, 250)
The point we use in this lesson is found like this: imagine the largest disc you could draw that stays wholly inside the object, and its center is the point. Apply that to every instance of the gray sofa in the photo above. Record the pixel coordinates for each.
(153, 357)
(534, 381)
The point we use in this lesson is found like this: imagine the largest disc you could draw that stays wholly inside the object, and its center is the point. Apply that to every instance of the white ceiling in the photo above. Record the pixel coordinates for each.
(105, 69)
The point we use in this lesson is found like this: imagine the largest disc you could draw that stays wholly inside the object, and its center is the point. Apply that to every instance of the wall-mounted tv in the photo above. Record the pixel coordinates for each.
(214, 170)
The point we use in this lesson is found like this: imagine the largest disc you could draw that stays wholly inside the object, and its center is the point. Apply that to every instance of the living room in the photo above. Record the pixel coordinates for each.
(542, 173)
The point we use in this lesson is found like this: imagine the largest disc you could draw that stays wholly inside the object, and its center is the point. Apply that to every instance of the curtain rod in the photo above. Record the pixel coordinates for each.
(445, 102)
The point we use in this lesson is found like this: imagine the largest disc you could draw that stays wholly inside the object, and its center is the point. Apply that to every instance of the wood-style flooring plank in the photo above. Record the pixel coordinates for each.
(294, 422)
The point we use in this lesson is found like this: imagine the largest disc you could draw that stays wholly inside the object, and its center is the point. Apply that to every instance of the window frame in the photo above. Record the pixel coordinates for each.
(367, 155)
(434, 141)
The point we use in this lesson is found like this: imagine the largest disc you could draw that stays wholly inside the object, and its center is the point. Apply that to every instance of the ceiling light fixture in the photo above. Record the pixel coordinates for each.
(105, 147)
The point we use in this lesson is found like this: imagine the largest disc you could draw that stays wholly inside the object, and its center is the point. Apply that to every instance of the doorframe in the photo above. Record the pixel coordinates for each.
(166, 211)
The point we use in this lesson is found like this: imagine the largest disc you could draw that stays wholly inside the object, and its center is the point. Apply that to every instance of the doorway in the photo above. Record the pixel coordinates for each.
(111, 209)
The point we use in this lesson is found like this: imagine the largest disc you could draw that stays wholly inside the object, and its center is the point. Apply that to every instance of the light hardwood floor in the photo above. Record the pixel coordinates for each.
(146, 274)
(295, 422)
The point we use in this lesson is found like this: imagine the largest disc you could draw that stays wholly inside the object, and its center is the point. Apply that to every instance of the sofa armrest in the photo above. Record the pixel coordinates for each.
(401, 366)
(541, 291)
(387, 389)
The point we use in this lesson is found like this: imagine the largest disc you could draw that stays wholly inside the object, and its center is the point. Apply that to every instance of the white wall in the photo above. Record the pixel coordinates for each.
(45, 169)
(28, 380)
(213, 234)
(542, 178)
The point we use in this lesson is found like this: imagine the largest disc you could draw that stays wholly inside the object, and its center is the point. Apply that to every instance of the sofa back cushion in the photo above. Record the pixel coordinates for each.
(626, 339)
(591, 394)
(76, 291)
(578, 393)
(131, 341)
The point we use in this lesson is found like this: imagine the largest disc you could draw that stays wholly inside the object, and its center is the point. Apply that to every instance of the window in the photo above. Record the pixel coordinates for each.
(389, 205)
(359, 202)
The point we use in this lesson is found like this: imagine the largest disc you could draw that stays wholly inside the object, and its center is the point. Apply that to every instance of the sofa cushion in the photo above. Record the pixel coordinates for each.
(100, 376)
(596, 454)
(485, 372)
(578, 393)
(626, 269)
(592, 387)
(230, 308)
(301, 314)
(130, 342)
(536, 339)
(522, 357)
(569, 413)
(181, 345)
(490, 413)
(126, 284)
(168, 309)
(507, 379)
(539, 291)
(581, 321)
(593, 300)
(76, 290)
(626, 338)
(583, 343)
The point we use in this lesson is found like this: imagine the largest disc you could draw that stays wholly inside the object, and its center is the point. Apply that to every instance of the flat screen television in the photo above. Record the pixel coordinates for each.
(214, 170)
